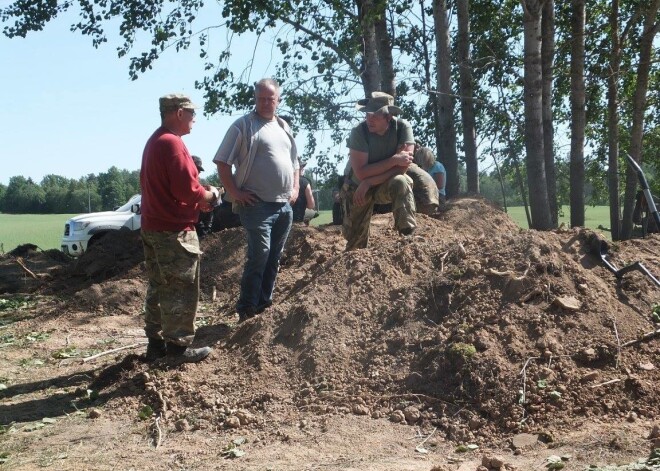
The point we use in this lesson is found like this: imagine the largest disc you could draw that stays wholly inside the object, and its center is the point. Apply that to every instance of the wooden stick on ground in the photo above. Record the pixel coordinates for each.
(612, 381)
(27, 270)
(646, 336)
(108, 352)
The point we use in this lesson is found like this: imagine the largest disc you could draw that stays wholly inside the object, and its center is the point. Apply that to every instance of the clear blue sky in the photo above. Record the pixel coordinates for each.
(71, 110)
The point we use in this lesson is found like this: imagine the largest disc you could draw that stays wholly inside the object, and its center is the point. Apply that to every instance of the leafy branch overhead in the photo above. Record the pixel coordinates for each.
(434, 56)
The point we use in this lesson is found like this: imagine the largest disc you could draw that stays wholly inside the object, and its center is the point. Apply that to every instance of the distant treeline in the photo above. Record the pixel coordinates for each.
(107, 190)
(57, 194)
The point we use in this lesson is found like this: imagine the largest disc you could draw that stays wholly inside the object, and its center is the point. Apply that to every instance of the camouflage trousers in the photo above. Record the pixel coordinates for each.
(357, 219)
(424, 189)
(170, 307)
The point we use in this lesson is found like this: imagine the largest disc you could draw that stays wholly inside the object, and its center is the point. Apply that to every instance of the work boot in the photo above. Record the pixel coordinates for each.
(428, 209)
(178, 354)
(156, 349)
(262, 307)
(246, 313)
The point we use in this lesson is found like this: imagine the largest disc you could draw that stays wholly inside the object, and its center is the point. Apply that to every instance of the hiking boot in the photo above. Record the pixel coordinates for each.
(156, 349)
(428, 209)
(178, 354)
(262, 307)
(246, 313)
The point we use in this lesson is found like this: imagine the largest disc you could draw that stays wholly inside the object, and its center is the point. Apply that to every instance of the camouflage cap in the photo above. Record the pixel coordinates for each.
(174, 102)
(198, 163)
(379, 101)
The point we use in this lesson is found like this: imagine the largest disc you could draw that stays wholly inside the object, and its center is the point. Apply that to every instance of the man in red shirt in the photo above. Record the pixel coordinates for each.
(172, 198)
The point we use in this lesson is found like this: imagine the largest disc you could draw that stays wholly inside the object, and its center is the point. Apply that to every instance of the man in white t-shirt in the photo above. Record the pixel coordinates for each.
(261, 147)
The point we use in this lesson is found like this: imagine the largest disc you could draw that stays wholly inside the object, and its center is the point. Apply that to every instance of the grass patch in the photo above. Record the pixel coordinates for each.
(595, 217)
(43, 230)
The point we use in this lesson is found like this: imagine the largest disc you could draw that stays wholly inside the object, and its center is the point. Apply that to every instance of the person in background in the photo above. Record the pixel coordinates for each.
(205, 221)
(265, 185)
(172, 198)
(425, 158)
(304, 209)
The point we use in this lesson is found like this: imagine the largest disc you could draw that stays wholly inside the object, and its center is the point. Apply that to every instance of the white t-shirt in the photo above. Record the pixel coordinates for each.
(270, 173)
(271, 176)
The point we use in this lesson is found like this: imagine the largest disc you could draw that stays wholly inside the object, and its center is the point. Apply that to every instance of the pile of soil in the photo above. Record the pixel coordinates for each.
(471, 326)
(27, 268)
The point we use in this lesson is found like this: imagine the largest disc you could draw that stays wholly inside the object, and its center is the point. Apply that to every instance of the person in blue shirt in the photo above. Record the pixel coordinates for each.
(425, 158)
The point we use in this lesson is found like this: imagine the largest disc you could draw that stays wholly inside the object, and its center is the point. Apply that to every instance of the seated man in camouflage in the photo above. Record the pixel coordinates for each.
(381, 171)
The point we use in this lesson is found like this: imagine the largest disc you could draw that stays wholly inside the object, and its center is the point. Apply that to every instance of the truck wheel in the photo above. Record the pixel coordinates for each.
(95, 238)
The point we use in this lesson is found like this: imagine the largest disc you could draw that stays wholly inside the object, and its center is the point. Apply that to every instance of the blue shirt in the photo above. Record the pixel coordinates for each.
(438, 168)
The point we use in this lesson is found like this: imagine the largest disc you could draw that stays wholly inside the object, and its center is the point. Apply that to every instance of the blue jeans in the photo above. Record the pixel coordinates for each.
(267, 226)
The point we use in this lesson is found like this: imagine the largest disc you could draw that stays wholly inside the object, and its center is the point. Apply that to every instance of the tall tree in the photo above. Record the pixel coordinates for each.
(384, 46)
(613, 122)
(650, 29)
(535, 161)
(24, 196)
(444, 97)
(547, 70)
(467, 91)
(578, 114)
(371, 72)
(55, 188)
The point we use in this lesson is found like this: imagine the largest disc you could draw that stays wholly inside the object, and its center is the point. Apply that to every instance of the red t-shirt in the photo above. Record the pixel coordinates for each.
(169, 182)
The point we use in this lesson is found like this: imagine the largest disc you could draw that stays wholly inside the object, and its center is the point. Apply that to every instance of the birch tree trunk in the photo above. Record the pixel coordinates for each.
(578, 114)
(371, 79)
(651, 25)
(467, 102)
(433, 98)
(547, 61)
(384, 45)
(446, 130)
(613, 124)
(535, 161)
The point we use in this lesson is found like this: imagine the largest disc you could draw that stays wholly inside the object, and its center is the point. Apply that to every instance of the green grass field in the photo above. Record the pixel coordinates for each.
(46, 230)
(43, 230)
(594, 216)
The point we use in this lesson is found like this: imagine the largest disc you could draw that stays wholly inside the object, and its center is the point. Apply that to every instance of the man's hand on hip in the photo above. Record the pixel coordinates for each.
(245, 197)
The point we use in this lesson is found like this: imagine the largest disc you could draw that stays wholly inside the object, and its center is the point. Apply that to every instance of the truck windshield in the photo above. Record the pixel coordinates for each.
(135, 199)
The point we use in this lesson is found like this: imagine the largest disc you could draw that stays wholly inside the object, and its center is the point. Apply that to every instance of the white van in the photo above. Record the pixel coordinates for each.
(80, 232)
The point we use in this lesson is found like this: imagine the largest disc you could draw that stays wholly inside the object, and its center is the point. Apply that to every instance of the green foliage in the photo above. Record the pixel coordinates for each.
(655, 313)
(14, 303)
(67, 352)
(462, 350)
(146, 412)
(318, 57)
(57, 194)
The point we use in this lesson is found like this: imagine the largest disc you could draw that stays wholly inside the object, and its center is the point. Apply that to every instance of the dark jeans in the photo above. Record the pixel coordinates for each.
(267, 226)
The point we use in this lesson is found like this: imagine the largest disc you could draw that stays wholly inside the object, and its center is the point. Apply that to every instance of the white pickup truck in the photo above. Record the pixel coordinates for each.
(80, 232)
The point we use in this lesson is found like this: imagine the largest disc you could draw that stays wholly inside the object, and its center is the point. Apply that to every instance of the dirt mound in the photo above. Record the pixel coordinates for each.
(472, 326)
(27, 268)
